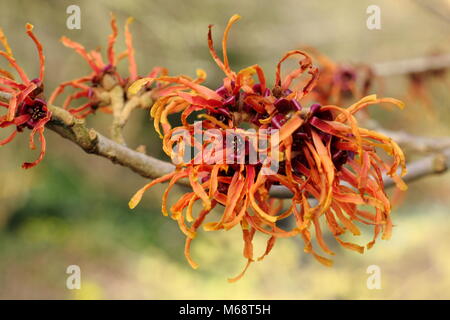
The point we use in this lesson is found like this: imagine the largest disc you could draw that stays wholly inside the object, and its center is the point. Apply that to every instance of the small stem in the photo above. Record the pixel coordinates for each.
(117, 104)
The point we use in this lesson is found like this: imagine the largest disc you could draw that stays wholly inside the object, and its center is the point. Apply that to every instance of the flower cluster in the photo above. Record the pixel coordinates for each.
(325, 159)
(419, 90)
(26, 106)
(318, 152)
(98, 87)
(340, 82)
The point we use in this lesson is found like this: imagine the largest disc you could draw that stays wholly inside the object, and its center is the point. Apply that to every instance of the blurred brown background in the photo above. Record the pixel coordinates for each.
(72, 208)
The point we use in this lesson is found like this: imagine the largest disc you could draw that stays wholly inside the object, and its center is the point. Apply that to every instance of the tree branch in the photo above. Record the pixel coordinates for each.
(442, 13)
(417, 143)
(93, 142)
(75, 130)
(414, 65)
(433, 164)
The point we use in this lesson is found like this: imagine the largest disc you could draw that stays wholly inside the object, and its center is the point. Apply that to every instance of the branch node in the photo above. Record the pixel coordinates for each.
(440, 163)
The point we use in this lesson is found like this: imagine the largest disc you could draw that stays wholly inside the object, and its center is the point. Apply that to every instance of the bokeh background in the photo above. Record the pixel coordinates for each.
(72, 208)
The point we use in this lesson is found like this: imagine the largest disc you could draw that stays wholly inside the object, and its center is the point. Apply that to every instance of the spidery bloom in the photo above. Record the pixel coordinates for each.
(339, 82)
(104, 77)
(26, 108)
(328, 163)
(419, 88)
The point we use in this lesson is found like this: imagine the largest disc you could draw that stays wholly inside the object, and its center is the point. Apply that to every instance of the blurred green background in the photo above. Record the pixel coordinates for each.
(72, 208)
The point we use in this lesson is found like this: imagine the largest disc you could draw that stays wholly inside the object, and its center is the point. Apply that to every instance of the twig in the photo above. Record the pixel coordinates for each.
(93, 142)
(438, 12)
(417, 143)
(414, 65)
(75, 130)
(117, 103)
(429, 165)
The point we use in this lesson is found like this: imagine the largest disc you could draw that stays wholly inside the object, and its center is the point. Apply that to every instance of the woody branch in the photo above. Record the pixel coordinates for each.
(413, 65)
(75, 130)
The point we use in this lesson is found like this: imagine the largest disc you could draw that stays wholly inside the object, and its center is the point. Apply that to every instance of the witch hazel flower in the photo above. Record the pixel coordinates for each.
(339, 82)
(27, 108)
(97, 87)
(327, 161)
